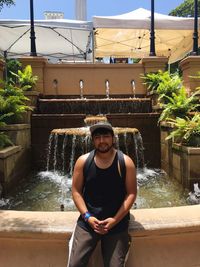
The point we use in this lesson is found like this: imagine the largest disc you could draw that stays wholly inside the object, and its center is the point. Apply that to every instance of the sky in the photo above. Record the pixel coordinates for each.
(21, 10)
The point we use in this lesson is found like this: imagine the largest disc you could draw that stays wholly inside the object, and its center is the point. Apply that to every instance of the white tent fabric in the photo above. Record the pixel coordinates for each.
(58, 39)
(128, 35)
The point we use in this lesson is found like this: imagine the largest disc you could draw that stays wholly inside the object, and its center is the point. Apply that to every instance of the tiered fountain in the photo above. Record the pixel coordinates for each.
(66, 145)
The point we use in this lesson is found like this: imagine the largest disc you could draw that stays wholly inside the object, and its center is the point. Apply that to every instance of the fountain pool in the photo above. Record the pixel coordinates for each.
(47, 191)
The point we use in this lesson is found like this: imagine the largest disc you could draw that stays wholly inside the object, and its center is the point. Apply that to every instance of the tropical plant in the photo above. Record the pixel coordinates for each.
(12, 103)
(179, 105)
(4, 139)
(25, 78)
(152, 80)
(163, 84)
(12, 66)
(186, 130)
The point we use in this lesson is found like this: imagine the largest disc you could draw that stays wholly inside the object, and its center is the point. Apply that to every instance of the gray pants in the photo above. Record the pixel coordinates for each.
(114, 248)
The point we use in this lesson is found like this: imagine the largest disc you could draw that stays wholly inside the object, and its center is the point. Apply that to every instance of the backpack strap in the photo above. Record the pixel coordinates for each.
(122, 165)
(88, 163)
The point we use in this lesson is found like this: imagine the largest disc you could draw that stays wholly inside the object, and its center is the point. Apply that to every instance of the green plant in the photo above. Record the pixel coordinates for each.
(4, 139)
(153, 79)
(186, 130)
(163, 84)
(12, 66)
(179, 105)
(25, 78)
(12, 103)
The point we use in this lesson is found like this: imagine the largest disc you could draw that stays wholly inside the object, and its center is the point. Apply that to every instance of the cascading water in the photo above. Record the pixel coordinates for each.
(68, 144)
(51, 189)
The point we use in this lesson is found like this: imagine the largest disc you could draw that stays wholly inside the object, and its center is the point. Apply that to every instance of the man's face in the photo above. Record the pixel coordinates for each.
(103, 142)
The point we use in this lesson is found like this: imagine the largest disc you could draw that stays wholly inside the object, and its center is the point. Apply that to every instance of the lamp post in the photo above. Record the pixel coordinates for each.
(152, 33)
(195, 34)
(32, 33)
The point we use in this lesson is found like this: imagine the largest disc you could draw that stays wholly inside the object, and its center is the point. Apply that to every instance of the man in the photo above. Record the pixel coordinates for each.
(103, 197)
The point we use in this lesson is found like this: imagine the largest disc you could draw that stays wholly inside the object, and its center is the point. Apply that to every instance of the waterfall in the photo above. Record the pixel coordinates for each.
(66, 145)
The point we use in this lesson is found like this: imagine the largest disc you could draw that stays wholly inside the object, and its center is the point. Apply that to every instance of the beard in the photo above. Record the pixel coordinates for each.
(104, 148)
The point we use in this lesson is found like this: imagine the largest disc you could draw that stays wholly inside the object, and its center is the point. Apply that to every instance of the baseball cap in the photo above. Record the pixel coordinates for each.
(101, 125)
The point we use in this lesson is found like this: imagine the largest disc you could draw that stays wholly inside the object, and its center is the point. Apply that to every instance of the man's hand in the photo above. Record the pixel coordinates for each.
(97, 226)
(108, 223)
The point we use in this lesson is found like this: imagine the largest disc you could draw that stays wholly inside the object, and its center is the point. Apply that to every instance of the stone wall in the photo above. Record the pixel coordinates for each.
(160, 237)
(15, 161)
(179, 162)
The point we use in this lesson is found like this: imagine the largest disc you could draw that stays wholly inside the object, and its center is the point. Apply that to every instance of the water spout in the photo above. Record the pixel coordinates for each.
(133, 87)
(107, 89)
(81, 88)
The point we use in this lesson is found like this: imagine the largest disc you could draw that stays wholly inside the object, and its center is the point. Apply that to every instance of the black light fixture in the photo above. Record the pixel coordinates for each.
(32, 33)
(152, 33)
(195, 34)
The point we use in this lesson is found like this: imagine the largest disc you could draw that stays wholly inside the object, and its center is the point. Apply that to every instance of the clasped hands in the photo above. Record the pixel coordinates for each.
(101, 227)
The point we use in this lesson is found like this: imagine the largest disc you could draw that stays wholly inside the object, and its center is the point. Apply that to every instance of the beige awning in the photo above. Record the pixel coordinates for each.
(128, 35)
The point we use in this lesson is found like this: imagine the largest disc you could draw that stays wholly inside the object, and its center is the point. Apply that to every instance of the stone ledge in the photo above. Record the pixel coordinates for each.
(187, 149)
(19, 126)
(8, 151)
(144, 222)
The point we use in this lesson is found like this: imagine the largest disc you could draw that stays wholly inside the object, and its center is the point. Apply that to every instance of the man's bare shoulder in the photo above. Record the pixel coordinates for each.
(81, 160)
(128, 161)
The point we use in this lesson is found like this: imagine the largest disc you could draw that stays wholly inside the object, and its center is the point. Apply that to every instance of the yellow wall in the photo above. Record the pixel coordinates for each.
(93, 76)
(190, 66)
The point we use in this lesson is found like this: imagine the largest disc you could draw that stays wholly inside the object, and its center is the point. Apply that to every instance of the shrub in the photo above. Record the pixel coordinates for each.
(179, 105)
(187, 130)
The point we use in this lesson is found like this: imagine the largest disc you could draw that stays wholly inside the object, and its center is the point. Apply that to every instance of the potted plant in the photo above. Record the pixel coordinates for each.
(179, 105)
(186, 130)
(162, 84)
(12, 66)
(25, 78)
(12, 103)
(4, 139)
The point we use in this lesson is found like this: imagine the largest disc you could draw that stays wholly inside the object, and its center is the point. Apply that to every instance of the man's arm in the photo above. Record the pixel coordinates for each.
(77, 188)
(77, 184)
(131, 193)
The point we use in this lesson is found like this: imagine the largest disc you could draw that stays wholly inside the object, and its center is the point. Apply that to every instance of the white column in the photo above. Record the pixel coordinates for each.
(81, 10)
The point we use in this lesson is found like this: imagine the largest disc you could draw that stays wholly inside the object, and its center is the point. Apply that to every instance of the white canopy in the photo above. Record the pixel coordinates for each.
(61, 39)
(128, 35)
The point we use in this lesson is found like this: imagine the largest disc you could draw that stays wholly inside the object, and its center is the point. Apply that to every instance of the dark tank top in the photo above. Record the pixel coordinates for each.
(104, 192)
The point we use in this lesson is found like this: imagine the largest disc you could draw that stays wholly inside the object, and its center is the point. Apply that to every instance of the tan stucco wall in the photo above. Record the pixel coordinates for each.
(94, 76)
(190, 66)
(167, 237)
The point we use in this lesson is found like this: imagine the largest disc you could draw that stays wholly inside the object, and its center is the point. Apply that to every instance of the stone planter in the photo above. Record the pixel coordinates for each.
(166, 147)
(185, 164)
(15, 161)
(178, 161)
(18, 133)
